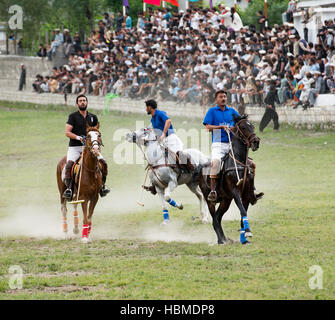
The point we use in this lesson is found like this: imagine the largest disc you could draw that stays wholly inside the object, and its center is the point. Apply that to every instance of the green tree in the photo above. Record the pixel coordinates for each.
(275, 11)
(35, 14)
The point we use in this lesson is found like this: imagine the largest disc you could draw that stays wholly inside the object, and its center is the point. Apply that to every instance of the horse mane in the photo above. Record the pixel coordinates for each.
(238, 119)
(88, 129)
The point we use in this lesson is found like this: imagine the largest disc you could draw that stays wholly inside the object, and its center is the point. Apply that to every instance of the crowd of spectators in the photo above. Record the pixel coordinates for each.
(187, 56)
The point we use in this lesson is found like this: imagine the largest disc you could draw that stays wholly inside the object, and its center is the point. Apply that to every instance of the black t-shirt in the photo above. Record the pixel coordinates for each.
(261, 24)
(78, 122)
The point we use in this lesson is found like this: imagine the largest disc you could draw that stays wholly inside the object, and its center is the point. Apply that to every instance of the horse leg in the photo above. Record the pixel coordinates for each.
(243, 232)
(167, 195)
(165, 206)
(92, 205)
(217, 227)
(64, 212)
(75, 220)
(84, 238)
(244, 219)
(203, 205)
(222, 209)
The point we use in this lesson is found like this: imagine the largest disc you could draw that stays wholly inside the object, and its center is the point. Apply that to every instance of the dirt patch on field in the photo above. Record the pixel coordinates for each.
(60, 289)
(47, 275)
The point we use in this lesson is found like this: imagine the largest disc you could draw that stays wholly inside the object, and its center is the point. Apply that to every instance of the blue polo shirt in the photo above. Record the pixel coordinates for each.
(217, 117)
(158, 123)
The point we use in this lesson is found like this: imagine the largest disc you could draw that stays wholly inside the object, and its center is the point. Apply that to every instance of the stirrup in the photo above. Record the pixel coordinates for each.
(259, 195)
(256, 197)
(67, 194)
(212, 196)
(104, 191)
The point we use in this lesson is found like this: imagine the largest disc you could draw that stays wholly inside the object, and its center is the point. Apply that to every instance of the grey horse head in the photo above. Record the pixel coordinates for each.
(141, 136)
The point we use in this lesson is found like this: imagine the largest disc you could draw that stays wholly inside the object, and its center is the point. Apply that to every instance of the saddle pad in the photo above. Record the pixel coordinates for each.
(75, 171)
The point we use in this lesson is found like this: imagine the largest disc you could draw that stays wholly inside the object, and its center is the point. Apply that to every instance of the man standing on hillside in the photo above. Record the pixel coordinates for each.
(22, 82)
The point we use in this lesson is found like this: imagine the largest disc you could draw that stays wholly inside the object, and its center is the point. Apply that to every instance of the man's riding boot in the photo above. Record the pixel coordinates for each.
(213, 195)
(68, 181)
(104, 191)
(255, 196)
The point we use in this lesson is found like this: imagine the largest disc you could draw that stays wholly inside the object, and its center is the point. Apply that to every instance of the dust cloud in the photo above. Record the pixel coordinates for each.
(110, 219)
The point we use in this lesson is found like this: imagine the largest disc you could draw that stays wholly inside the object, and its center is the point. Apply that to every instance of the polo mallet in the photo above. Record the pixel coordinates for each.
(140, 203)
(232, 151)
(145, 157)
(81, 171)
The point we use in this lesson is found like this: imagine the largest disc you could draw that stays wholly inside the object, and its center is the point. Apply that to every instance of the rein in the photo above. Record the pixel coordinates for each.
(90, 148)
(246, 140)
(154, 167)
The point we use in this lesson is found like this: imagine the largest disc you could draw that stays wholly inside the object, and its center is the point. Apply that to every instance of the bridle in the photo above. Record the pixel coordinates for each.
(150, 166)
(94, 143)
(145, 141)
(246, 139)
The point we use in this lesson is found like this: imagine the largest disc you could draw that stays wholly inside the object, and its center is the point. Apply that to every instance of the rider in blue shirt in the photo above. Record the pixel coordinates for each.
(220, 117)
(217, 120)
(162, 125)
(158, 121)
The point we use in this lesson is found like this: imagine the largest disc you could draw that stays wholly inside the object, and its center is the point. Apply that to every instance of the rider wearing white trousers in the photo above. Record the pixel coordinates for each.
(75, 130)
(217, 120)
(167, 135)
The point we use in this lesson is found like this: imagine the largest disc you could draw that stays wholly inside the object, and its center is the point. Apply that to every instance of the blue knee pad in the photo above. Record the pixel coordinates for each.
(245, 223)
(166, 215)
(172, 203)
(243, 239)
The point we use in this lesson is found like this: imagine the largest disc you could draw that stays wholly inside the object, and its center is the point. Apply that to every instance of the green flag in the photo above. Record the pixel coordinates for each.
(108, 98)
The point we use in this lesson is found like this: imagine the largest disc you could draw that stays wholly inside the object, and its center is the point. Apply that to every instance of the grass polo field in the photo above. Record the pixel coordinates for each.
(132, 256)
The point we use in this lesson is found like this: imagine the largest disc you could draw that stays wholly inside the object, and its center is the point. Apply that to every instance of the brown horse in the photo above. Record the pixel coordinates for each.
(234, 185)
(90, 183)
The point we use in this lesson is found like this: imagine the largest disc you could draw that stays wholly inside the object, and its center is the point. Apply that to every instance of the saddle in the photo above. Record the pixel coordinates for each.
(183, 167)
(75, 171)
(240, 168)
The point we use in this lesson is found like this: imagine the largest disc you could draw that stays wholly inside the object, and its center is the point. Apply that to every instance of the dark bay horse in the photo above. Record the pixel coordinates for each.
(228, 188)
(90, 183)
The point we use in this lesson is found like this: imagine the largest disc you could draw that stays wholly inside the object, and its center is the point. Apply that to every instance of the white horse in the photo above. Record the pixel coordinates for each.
(165, 175)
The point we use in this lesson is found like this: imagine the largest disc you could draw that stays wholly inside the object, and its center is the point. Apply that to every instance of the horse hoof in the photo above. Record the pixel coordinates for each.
(75, 231)
(65, 235)
(248, 234)
(181, 207)
(85, 240)
(205, 221)
(165, 223)
(246, 242)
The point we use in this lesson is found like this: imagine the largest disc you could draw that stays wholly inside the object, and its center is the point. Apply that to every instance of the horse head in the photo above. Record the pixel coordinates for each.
(93, 139)
(141, 136)
(245, 131)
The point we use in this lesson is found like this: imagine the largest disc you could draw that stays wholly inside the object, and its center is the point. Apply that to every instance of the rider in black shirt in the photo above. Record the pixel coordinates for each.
(76, 130)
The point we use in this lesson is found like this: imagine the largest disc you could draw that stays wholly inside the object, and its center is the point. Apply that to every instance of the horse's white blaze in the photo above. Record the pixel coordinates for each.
(94, 136)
